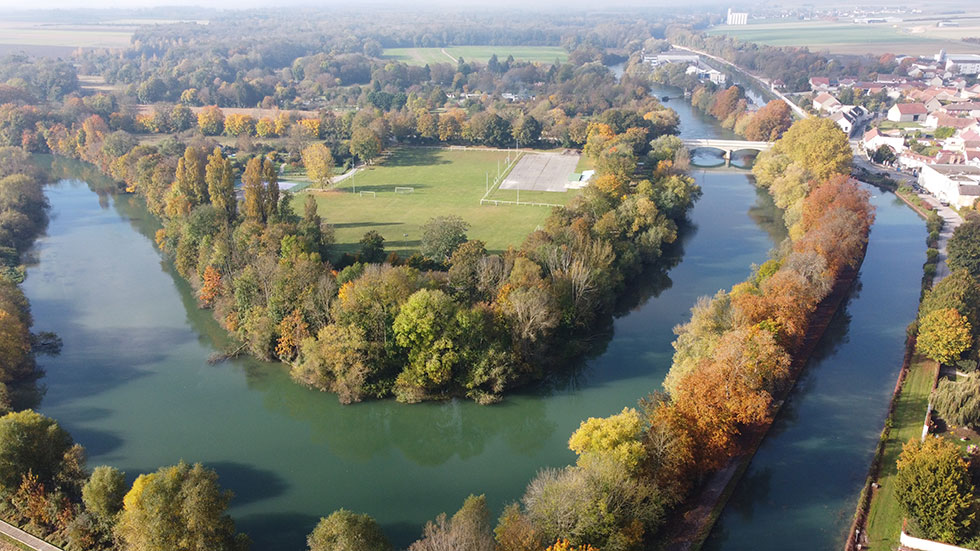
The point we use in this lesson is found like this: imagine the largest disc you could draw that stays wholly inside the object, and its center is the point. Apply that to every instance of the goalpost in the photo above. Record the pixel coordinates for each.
(368, 193)
(404, 189)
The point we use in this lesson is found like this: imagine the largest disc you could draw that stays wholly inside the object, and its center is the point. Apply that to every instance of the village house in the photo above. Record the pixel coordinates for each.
(938, 119)
(873, 139)
(958, 185)
(848, 117)
(907, 112)
(826, 103)
(821, 84)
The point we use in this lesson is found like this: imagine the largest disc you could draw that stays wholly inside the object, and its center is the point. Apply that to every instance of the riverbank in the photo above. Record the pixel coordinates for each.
(694, 521)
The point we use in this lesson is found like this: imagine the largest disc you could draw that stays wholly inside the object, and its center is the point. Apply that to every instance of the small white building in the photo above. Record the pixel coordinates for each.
(907, 112)
(958, 185)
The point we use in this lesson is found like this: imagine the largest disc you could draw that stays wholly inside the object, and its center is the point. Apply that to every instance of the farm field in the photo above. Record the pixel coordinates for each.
(422, 56)
(444, 182)
(30, 35)
(851, 38)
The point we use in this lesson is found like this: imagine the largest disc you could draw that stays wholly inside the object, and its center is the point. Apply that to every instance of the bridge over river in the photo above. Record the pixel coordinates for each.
(727, 146)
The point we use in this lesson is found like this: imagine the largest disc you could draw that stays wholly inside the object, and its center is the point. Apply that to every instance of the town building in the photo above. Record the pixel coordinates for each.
(673, 56)
(737, 18)
(907, 112)
(964, 64)
(874, 138)
(958, 185)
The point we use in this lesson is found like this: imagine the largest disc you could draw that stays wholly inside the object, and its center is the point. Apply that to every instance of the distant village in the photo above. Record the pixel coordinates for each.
(928, 123)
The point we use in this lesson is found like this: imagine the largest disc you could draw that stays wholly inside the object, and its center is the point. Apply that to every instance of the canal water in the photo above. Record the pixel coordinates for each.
(134, 387)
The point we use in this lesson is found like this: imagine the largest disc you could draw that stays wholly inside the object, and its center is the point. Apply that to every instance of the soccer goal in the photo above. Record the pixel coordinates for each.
(404, 189)
(368, 193)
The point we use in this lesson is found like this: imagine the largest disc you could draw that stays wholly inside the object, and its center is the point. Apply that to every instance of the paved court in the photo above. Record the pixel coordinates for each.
(541, 172)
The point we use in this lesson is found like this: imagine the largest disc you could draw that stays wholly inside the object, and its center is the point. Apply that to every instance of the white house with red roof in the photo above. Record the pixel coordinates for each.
(908, 112)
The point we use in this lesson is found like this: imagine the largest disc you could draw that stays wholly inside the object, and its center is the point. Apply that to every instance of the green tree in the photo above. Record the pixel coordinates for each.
(319, 163)
(220, 177)
(964, 248)
(178, 508)
(31, 442)
(958, 402)
(365, 143)
(271, 176)
(527, 131)
(347, 531)
(470, 529)
(103, 494)
(254, 203)
(944, 335)
(372, 247)
(442, 235)
(933, 487)
(422, 328)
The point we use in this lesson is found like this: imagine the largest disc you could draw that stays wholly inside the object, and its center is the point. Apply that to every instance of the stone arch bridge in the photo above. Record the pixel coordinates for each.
(726, 146)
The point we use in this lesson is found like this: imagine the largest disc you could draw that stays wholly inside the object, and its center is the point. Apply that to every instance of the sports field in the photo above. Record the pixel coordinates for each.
(851, 38)
(423, 56)
(443, 182)
(541, 172)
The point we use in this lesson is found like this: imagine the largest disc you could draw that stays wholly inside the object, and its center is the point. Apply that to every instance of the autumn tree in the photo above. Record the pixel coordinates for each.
(944, 335)
(470, 528)
(768, 123)
(933, 487)
(211, 120)
(103, 494)
(319, 163)
(347, 531)
(618, 435)
(178, 507)
(818, 145)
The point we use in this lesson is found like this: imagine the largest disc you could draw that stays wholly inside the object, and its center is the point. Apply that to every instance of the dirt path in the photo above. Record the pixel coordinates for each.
(450, 56)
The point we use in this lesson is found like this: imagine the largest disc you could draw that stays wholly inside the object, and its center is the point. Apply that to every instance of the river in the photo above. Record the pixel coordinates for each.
(133, 385)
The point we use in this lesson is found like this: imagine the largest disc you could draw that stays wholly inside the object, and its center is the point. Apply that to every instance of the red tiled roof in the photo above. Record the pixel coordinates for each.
(911, 108)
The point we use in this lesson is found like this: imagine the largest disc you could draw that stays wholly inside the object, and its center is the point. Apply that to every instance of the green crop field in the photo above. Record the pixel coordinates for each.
(422, 56)
(846, 37)
(445, 182)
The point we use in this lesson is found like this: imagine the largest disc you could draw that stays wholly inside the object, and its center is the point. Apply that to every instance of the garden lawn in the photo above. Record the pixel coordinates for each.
(885, 515)
(445, 182)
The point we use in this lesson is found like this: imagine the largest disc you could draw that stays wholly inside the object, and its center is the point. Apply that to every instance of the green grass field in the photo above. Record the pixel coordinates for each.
(885, 515)
(445, 182)
(422, 56)
(845, 37)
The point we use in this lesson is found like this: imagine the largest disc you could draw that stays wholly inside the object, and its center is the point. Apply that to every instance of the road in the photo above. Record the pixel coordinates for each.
(951, 219)
(761, 80)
